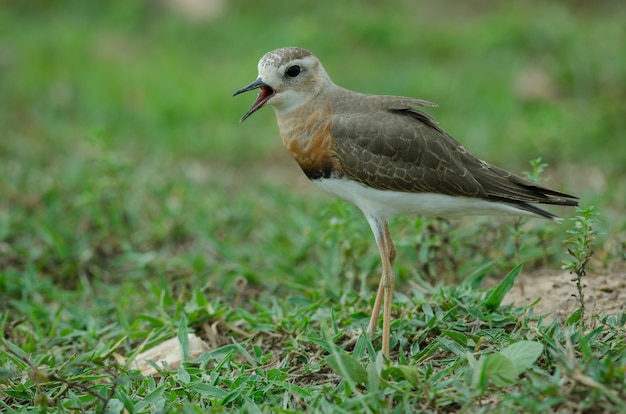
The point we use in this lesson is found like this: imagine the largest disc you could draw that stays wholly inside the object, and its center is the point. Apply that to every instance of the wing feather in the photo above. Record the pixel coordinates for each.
(401, 148)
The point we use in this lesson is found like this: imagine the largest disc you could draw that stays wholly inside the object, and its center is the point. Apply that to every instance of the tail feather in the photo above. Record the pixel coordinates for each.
(542, 196)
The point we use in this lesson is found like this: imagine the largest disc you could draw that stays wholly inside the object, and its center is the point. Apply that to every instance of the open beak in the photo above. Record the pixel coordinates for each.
(264, 95)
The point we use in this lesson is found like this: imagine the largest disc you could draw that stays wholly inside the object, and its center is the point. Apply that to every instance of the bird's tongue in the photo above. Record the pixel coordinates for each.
(265, 93)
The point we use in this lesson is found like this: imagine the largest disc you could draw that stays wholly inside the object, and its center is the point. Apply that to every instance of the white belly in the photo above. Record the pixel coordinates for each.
(387, 204)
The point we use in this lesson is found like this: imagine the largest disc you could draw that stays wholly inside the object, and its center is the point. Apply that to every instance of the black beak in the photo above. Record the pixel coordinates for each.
(265, 94)
(254, 85)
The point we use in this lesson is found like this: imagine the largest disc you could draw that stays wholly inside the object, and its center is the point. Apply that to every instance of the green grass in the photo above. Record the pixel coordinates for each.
(134, 208)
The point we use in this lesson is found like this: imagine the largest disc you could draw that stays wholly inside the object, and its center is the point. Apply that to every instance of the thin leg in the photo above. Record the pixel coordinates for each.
(384, 294)
(388, 283)
(391, 249)
(371, 328)
(391, 254)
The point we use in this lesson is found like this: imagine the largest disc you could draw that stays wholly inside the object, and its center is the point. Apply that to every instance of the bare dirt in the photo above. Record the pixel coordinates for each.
(604, 293)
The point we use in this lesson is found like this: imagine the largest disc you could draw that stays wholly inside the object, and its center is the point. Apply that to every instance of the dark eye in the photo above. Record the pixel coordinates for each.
(293, 71)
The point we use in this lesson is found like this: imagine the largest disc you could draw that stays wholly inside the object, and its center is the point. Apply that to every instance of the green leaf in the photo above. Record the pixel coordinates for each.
(474, 280)
(496, 295)
(458, 337)
(523, 354)
(231, 396)
(150, 399)
(411, 373)
(500, 370)
(208, 391)
(183, 375)
(114, 406)
(375, 373)
(479, 378)
(452, 346)
(585, 348)
(574, 318)
(183, 337)
(346, 366)
(15, 355)
(251, 407)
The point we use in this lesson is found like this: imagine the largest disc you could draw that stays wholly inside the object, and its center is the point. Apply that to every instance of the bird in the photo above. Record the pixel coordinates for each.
(385, 155)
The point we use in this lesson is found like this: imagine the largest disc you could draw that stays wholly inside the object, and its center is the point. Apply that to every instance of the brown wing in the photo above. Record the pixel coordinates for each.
(403, 149)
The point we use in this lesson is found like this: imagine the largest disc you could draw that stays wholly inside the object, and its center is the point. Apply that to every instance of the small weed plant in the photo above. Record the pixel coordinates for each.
(580, 249)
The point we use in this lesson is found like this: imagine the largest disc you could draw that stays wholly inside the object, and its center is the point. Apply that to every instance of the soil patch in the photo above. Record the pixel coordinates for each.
(604, 293)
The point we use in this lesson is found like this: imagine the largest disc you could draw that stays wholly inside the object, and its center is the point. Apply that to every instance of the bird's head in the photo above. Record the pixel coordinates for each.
(288, 77)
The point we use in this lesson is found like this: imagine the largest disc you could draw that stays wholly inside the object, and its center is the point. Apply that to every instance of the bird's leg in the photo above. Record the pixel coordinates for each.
(391, 249)
(385, 288)
(371, 328)
(391, 254)
(388, 256)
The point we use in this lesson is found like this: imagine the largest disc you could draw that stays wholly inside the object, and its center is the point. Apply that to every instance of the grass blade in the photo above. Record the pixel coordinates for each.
(497, 294)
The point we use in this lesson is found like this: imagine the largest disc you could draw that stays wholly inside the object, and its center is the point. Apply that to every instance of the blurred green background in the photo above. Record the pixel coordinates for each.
(514, 80)
(121, 146)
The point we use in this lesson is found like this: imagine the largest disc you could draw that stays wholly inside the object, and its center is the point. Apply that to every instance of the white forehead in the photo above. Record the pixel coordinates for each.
(287, 55)
(272, 59)
(280, 65)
